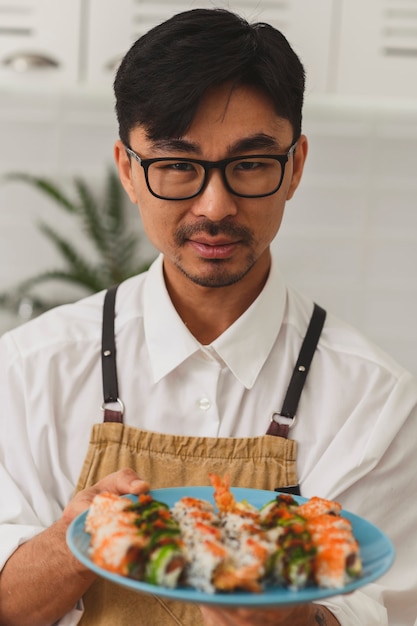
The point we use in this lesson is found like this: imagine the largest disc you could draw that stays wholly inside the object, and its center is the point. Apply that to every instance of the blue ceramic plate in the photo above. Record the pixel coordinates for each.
(376, 550)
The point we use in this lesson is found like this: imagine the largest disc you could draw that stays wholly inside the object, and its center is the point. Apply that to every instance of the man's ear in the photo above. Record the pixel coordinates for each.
(124, 168)
(299, 158)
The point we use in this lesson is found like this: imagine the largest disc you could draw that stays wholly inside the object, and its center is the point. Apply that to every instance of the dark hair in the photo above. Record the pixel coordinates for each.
(166, 72)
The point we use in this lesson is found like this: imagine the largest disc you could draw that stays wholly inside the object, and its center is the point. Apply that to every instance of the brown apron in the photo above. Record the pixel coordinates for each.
(265, 462)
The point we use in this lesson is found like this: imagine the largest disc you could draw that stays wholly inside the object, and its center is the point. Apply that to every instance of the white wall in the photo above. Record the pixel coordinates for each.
(349, 237)
(58, 134)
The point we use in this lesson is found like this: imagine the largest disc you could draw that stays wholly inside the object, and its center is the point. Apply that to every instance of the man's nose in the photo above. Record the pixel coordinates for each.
(215, 201)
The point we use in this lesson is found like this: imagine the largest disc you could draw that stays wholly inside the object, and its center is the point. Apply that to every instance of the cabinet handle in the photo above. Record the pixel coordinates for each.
(27, 61)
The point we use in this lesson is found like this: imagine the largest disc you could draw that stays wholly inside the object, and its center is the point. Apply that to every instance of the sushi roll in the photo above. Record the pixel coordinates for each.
(338, 559)
(292, 564)
(295, 559)
(318, 506)
(243, 535)
(249, 545)
(104, 507)
(114, 539)
(226, 550)
(205, 554)
(140, 540)
(280, 512)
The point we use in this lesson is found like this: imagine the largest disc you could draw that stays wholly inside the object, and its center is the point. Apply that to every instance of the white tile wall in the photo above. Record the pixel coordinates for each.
(349, 237)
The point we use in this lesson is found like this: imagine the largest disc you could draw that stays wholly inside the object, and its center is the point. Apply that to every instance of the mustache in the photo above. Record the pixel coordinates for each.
(187, 231)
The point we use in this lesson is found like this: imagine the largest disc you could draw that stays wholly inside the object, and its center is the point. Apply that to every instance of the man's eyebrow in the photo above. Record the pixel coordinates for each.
(260, 141)
(175, 145)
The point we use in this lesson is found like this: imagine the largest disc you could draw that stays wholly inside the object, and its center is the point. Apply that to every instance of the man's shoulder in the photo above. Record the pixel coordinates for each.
(345, 343)
(75, 323)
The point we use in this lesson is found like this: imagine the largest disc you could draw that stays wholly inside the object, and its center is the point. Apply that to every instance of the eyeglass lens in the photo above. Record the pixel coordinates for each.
(247, 177)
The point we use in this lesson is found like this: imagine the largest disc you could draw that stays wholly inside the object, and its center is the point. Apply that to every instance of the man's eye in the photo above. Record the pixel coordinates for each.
(248, 165)
(179, 166)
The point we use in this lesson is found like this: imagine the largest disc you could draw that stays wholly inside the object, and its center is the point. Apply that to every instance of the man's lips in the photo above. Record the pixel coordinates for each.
(213, 249)
(213, 240)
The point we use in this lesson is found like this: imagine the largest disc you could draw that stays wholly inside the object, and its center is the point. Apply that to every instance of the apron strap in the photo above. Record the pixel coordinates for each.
(108, 360)
(282, 422)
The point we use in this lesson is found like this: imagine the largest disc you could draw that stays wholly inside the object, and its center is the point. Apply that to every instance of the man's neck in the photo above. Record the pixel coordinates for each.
(209, 311)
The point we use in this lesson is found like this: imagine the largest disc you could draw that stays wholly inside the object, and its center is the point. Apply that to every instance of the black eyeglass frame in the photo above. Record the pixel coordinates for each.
(208, 165)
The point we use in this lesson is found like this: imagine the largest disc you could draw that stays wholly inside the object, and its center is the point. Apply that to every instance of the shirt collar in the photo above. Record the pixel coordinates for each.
(243, 347)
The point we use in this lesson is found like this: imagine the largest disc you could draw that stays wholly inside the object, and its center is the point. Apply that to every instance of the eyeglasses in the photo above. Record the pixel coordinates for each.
(177, 178)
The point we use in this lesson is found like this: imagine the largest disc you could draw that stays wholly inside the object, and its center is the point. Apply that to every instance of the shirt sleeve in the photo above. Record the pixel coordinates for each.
(13, 507)
(359, 608)
(380, 487)
(72, 617)
(18, 520)
(28, 503)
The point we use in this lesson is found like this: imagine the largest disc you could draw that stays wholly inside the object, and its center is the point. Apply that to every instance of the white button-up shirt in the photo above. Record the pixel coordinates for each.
(356, 424)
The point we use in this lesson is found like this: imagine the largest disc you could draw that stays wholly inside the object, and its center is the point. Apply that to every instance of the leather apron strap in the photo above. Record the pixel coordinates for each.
(108, 360)
(282, 422)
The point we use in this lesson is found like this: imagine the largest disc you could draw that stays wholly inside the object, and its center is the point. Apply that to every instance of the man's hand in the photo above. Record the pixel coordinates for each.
(297, 615)
(120, 483)
(42, 580)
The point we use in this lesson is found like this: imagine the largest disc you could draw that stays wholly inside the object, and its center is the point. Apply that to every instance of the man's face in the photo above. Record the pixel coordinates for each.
(216, 238)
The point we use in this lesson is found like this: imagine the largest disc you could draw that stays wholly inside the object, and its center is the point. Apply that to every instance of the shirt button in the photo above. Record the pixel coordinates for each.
(204, 404)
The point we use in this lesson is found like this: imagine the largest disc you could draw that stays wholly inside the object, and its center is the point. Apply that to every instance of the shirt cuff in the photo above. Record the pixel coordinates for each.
(361, 607)
(14, 535)
(73, 617)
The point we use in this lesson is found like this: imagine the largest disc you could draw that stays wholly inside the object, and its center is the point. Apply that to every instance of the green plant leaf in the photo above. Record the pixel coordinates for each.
(78, 267)
(47, 187)
(113, 206)
(106, 225)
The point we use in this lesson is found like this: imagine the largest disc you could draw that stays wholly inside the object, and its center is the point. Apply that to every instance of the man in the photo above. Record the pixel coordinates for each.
(210, 150)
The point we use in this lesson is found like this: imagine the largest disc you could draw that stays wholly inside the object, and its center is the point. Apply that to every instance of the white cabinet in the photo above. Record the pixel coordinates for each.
(307, 24)
(378, 48)
(116, 24)
(112, 30)
(348, 47)
(39, 42)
